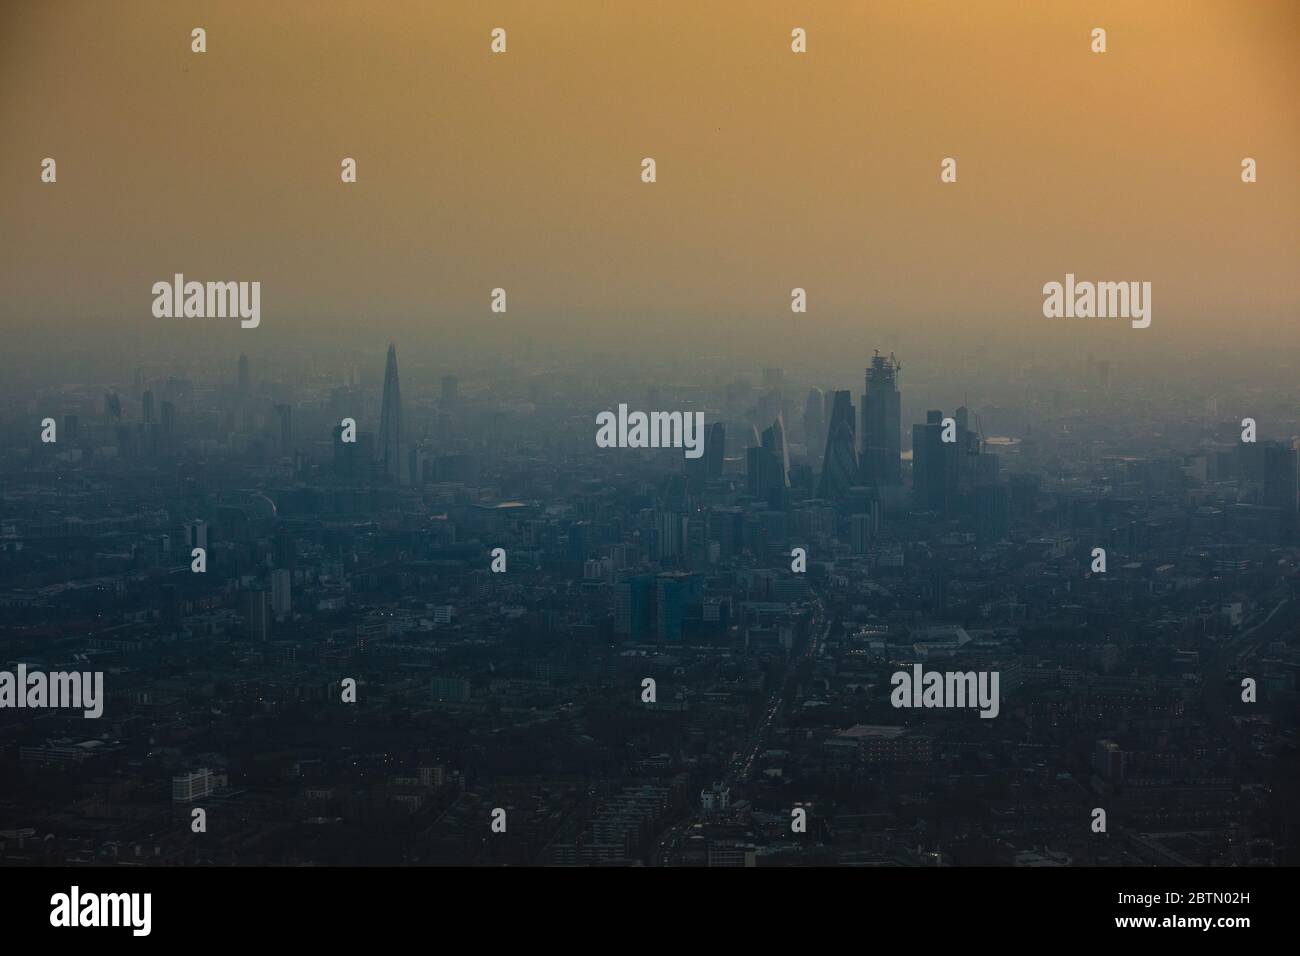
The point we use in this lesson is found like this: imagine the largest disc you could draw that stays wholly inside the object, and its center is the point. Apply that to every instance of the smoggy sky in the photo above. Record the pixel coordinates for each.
(775, 170)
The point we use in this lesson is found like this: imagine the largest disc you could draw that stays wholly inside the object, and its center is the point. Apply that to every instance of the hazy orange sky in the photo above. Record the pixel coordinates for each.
(775, 170)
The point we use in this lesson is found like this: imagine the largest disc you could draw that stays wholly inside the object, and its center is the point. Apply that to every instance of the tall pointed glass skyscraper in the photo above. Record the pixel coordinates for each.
(388, 452)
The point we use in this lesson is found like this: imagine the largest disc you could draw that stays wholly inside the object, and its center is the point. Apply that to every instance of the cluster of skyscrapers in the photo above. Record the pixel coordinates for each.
(861, 456)
(851, 457)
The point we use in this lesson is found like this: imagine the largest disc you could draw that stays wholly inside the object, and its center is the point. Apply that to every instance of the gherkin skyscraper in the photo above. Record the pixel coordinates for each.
(840, 469)
(388, 452)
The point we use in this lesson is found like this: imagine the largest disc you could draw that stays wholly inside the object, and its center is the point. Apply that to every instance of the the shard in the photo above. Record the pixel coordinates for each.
(388, 452)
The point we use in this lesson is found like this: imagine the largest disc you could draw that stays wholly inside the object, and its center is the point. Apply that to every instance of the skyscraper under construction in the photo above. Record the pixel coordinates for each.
(882, 423)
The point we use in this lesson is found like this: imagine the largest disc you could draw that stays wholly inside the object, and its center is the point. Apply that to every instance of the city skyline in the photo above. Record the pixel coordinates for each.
(1164, 575)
